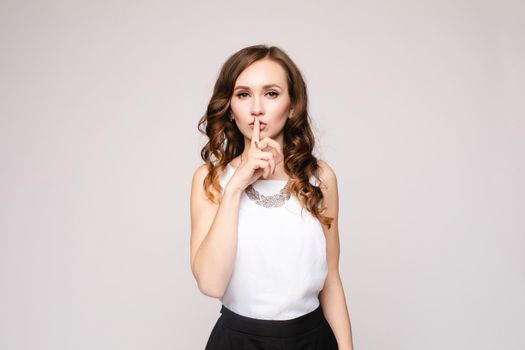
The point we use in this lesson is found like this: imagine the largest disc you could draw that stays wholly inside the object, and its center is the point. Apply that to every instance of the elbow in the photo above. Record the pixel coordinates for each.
(207, 287)
(210, 291)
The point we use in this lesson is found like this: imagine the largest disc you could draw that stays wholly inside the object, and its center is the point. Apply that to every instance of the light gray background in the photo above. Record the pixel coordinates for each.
(417, 105)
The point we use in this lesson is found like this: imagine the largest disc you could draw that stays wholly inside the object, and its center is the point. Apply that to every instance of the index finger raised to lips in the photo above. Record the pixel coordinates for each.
(255, 133)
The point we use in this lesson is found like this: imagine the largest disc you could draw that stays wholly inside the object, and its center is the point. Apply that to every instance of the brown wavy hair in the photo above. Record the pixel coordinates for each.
(226, 140)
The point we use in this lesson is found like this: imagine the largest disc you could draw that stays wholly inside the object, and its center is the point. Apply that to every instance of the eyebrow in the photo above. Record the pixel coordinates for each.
(264, 87)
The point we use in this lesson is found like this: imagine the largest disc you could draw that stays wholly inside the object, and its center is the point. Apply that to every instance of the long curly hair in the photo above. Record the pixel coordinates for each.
(227, 142)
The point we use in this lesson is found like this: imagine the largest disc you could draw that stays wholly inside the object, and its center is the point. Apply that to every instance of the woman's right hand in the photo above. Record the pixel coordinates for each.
(258, 162)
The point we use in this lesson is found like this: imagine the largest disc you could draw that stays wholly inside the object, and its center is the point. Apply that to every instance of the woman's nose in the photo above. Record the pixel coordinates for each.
(257, 106)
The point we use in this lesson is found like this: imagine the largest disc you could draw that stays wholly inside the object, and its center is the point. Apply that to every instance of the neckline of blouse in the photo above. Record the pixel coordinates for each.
(261, 179)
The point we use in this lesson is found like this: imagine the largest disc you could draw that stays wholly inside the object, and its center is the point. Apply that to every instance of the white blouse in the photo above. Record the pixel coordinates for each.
(280, 265)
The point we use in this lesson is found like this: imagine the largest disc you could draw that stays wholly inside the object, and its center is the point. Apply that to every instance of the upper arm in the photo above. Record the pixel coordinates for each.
(202, 211)
(331, 202)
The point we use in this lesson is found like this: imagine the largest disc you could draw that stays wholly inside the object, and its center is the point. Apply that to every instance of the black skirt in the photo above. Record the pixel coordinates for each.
(236, 332)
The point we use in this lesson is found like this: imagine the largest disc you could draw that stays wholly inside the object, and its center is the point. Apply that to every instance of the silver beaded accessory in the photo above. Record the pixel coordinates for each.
(275, 200)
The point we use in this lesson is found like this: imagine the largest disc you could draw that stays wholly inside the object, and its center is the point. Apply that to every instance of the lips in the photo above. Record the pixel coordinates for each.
(262, 126)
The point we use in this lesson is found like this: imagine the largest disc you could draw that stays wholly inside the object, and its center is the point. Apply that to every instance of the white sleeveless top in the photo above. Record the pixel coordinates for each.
(280, 265)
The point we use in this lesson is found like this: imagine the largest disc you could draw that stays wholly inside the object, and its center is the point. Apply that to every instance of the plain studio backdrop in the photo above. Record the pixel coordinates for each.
(417, 105)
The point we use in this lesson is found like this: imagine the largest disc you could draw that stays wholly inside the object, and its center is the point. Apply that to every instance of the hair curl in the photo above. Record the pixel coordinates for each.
(226, 141)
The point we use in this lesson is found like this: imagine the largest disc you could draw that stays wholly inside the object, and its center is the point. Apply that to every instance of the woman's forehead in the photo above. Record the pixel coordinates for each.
(262, 74)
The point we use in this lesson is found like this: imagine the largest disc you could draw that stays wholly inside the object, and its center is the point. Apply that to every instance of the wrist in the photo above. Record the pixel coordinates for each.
(233, 189)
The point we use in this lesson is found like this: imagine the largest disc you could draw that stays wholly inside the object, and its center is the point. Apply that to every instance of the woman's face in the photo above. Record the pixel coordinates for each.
(261, 90)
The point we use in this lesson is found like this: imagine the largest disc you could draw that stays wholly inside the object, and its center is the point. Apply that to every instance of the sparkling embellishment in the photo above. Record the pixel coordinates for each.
(275, 200)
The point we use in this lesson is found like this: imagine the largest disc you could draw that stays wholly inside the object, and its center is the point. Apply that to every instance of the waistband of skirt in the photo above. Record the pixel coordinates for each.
(272, 328)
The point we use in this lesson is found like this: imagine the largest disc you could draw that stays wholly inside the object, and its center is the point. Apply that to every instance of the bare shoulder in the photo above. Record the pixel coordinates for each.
(330, 202)
(329, 187)
(327, 175)
(198, 178)
(197, 188)
(200, 173)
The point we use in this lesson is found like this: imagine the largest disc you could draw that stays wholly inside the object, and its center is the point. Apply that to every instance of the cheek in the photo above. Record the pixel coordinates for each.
(279, 106)
(239, 109)
(279, 111)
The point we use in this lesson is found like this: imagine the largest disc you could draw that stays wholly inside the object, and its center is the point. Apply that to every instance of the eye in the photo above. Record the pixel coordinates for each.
(244, 94)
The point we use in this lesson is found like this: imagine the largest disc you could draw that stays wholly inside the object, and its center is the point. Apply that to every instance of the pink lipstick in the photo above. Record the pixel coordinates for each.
(261, 126)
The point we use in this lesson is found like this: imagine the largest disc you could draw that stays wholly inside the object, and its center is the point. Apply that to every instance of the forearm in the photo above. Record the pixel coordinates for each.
(335, 310)
(215, 258)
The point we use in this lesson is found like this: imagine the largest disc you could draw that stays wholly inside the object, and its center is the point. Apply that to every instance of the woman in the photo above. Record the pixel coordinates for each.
(264, 212)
